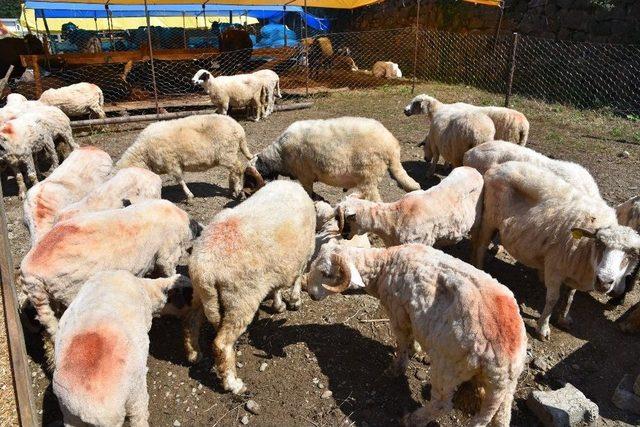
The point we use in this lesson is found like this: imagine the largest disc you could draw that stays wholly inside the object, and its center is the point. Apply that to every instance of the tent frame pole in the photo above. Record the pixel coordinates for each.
(306, 51)
(498, 26)
(284, 24)
(184, 31)
(415, 48)
(153, 70)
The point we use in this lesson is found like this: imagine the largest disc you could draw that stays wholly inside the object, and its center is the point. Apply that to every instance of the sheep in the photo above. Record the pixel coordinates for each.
(271, 81)
(510, 125)
(386, 69)
(239, 91)
(102, 347)
(137, 238)
(84, 169)
(628, 214)
(190, 144)
(441, 215)
(28, 134)
(127, 186)
(76, 100)
(547, 224)
(489, 154)
(244, 254)
(328, 230)
(319, 55)
(467, 322)
(346, 152)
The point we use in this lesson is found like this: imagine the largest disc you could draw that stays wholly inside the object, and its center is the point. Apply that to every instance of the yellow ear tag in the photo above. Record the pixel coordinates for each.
(577, 234)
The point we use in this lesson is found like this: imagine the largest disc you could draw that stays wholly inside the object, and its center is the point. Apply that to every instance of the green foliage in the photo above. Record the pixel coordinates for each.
(9, 9)
(603, 4)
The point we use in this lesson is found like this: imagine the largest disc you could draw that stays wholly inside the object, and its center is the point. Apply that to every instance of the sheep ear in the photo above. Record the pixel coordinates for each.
(579, 233)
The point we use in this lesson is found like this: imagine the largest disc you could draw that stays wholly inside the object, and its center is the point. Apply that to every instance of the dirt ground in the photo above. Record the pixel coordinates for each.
(326, 345)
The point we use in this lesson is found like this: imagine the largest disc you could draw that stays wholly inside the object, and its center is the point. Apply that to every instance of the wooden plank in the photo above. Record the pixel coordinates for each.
(183, 101)
(17, 351)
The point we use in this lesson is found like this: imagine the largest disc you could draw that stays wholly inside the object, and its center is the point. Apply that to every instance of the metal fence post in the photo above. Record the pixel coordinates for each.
(512, 70)
(153, 70)
(184, 31)
(306, 52)
(415, 49)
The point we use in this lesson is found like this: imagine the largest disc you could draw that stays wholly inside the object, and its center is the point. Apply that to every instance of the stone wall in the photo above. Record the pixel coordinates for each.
(579, 20)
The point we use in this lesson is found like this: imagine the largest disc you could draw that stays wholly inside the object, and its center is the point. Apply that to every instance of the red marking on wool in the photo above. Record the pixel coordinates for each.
(410, 206)
(501, 323)
(225, 235)
(92, 361)
(8, 129)
(54, 240)
(43, 209)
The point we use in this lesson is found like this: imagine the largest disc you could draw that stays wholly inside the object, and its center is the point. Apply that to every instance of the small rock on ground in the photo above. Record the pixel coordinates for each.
(245, 420)
(176, 423)
(540, 364)
(253, 407)
(624, 396)
(564, 407)
(263, 366)
(327, 394)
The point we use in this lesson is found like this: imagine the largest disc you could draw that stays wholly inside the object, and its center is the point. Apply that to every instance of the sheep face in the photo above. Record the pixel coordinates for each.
(616, 248)
(331, 273)
(201, 77)
(421, 104)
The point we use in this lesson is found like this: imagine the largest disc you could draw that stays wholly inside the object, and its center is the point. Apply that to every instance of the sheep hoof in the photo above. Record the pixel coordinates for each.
(194, 357)
(234, 385)
(279, 308)
(295, 305)
(565, 322)
(544, 333)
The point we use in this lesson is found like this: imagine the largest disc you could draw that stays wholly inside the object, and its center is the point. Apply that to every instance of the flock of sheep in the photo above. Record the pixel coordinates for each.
(98, 229)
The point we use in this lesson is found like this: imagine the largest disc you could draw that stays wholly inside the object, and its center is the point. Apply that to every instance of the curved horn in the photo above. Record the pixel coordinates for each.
(345, 273)
(253, 172)
(340, 218)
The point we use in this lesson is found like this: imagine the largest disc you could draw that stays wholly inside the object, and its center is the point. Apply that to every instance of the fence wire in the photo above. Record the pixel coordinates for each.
(584, 75)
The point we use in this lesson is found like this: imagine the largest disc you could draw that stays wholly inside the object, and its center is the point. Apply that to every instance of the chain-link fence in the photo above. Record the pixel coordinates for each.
(584, 75)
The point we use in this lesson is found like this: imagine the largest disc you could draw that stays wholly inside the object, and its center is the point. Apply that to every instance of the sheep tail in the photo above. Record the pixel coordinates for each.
(278, 93)
(402, 177)
(524, 135)
(100, 97)
(244, 149)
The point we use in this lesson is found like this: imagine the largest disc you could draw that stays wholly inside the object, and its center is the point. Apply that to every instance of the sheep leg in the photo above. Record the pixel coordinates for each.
(492, 402)
(236, 171)
(191, 325)
(480, 239)
(167, 261)
(295, 300)
(138, 404)
(50, 149)
(370, 192)
(401, 327)
(278, 305)
(257, 107)
(180, 180)
(47, 318)
(22, 188)
(98, 111)
(441, 402)
(565, 321)
(502, 418)
(553, 292)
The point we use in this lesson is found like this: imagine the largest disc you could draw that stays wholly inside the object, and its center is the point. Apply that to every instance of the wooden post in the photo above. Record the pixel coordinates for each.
(230, 17)
(184, 31)
(306, 52)
(415, 49)
(153, 70)
(36, 75)
(512, 70)
(17, 351)
(498, 25)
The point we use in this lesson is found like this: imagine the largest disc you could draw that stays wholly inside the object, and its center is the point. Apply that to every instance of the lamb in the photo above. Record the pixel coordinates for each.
(153, 233)
(467, 322)
(386, 70)
(29, 134)
(271, 81)
(84, 169)
(346, 152)
(190, 144)
(547, 224)
(76, 100)
(102, 347)
(129, 185)
(244, 254)
(441, 215)
(489, 154)
(239, 91)
(628, 214)
(511, 125)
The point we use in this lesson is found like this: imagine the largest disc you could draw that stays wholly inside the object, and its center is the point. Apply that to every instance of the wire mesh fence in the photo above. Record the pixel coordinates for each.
(584, 75)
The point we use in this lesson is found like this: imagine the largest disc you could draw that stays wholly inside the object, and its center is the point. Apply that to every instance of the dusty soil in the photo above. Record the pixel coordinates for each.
(325, 345)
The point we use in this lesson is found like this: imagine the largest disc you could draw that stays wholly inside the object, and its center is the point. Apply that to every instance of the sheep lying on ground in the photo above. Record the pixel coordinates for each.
(84, 169)
(129, 185)
(510, 125)
(149, 234)
(245, 254)
(102, 347)
(271, 81)
(441, 215)
(386, 70)
(467, 322)
(347, 152)
(489, 154)
(76, 100)
(547, 224)
(190, 144)
(239, 91)
(628, 214)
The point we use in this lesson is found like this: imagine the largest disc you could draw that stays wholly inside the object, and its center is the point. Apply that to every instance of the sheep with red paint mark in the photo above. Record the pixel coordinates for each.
(244, 255)
(547, 224)
(127, 186)
(102, 346)
(85, 169)
(148, 236)
(76, 100)
(468, 324)
(442, 215)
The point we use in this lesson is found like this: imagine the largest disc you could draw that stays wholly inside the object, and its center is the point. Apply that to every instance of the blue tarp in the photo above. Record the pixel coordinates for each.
(83, 10)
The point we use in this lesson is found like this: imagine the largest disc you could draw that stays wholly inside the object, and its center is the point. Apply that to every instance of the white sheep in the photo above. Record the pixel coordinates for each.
(239, 91)
(489, 154)
(328, 230)
(547, 224)
(441, 215)
(244, 255)
(271, 81)
(346, 152)
(628, 214)
(153, 233)
(511, 125)
(386, 69)
(468, 324)
(84, 169)
(127, 186)
(102, 347)
(191, 144)
(76, 100)
(16, 106)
